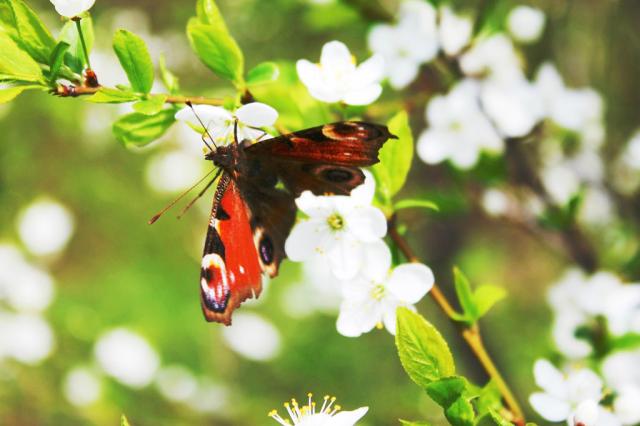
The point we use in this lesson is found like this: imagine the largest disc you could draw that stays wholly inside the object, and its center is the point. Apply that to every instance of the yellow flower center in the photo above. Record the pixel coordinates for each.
(336, 222)
(378, 292)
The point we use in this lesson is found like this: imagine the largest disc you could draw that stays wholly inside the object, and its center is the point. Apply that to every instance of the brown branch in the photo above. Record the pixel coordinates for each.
(75, 91)
(471, 334)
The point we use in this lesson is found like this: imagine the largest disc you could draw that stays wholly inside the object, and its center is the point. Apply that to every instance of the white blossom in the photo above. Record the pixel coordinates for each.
(253, 337)
(337, 78)
(127, 357)
(82, 386)
(176, 383)
(372, 298)
(174, 170)
(340, 227)
(26, 288)
(326, 415)
(45, 227)
(458, 129)
(454, 31)
(220, 123)
(563, 394)
(26, 338)
(409, 43)
(72, 8)
(525, 23)
(493, 57)
(586, 414)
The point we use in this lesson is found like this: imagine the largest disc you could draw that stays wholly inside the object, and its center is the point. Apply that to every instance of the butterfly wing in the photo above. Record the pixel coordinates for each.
(323, 159)
(231, 270)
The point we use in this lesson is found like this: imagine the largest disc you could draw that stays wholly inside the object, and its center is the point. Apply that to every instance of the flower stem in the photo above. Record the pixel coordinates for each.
(84, 44)
(471, 334)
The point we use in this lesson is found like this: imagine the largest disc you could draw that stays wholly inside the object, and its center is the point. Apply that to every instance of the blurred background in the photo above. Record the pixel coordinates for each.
(99, 312)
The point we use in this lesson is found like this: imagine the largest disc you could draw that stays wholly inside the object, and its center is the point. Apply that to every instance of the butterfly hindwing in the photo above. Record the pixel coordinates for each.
(231, 270)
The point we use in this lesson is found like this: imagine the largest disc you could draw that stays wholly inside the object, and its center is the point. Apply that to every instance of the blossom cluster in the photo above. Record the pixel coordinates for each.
(592, 314)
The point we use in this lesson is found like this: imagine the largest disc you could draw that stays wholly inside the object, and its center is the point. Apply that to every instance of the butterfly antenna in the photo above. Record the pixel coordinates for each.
(206, 130)
(173, 203)
(200, 194)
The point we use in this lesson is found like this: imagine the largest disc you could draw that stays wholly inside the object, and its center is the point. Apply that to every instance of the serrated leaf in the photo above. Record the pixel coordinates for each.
(15, 63)
(217, 50)
(124, 421)
(140, 129)
(465, 296)
(150, 106)
(409, 203)
(106, 95)
(424, 354)
(57, 59)
(26, 29)
(74, 58)
(135, 59)
(265, 72)
(486, 296)
(460, 413)
(489, 398)
(10, 93)
(169, 80)
(453, 394)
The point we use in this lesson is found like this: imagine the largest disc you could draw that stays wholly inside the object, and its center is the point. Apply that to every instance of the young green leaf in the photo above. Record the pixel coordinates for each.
(489, 398)
(465, 295)
(26, 29)
(56, 60)
(214, 45)
(265, 72)
(74, 58)
(396, 155)
(454, 394)
(106, 95)
(409, 203)
(10, 93)
(169, 80)
(486, 296)
(499, 420)
(124, 421)
(135, 59)
(460, 413)
(140, 129)
(15, 63)
(423, 352)
(150, 106)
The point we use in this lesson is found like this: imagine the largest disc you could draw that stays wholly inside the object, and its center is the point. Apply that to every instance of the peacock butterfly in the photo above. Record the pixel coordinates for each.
(254, 203)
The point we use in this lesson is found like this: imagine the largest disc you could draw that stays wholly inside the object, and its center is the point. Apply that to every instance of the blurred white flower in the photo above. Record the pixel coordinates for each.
(82, 386)
(220, 123)
(632, 152)
(71, 8)
(454, 31)
(26, 338)
(494, 57)
(626, 406)
(174, 171)
(339, 227)
(626, 169)
(408, 44)
(495, 202)
(327, 415)
(127, 357)
(26, 287)
(45, 227)
(563, 394)
(525, 23)
(253, 337)
(372, 298)
(209, 398)
(514, 105)
(337, 78)
(458, 129)
(596, 208)
(620, 370)
(176, 383)
(586, 414)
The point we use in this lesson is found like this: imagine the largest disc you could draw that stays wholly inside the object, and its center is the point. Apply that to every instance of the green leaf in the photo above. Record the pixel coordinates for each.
(169, 80)
(16, 64)
(135, 59)
(410, 423)
(465, 296)
(486, 296)
(106, 95)
(57, 59)
(460, 413)
(265, 72)
(498, 419)
(150, 106)
(10, 93)
(124, 421)
(626, 341)
(74, 58)
(140, 129)
(26, 29)
(409, 203)
(423, 352)
(214, 45)
(453, 394)
(489, 398)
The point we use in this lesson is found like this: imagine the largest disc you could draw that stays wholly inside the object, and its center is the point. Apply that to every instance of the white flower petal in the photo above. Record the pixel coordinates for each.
(213, 116)
(363, 96)
(309, 74)
(370, 71)
(363, 194)
(257, 114)
(402, 71)
(336, 56)
(526, 23)
(367, 223)
(411, 282)
(304, 240)
(346, 258)
(349, 418)
(549, 378)
(377, 261)
(586, 414)
(549, 407)
(454, 31)
(72, 8)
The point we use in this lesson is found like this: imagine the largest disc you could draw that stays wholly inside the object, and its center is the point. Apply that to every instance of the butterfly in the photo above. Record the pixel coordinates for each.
(254, 203)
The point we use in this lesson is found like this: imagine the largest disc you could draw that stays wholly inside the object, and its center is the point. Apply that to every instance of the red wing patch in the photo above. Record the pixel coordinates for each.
(231, 271)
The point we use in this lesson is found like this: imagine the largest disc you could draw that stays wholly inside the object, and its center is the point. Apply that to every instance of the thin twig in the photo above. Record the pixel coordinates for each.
(74, 91)
(471, 335)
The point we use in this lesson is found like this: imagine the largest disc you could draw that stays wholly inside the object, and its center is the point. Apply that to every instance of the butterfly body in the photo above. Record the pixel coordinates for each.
(254, 204)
